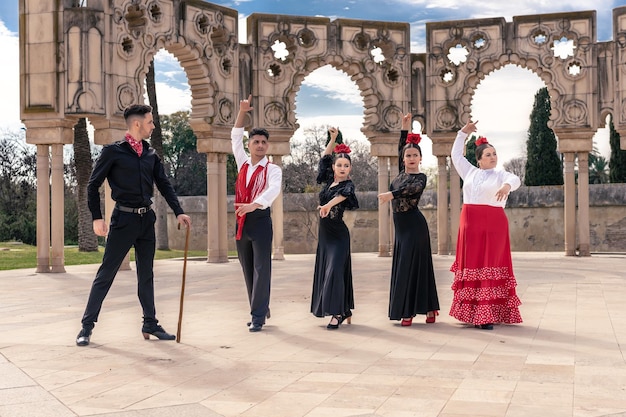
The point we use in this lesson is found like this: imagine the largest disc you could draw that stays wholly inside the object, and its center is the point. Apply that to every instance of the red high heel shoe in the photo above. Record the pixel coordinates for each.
(431, 319)
(407, 322)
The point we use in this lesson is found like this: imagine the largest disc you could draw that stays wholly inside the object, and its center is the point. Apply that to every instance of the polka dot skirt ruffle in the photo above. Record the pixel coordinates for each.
(485, 295)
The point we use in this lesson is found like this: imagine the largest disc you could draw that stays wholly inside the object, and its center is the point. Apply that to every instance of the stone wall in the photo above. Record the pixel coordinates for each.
(535, 220)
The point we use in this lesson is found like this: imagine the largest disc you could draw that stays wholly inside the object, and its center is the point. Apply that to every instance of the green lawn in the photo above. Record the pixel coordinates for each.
(16, 255)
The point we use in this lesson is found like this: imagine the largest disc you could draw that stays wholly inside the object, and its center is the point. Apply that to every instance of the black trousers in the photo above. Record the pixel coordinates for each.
(126, 230)
(254, 250)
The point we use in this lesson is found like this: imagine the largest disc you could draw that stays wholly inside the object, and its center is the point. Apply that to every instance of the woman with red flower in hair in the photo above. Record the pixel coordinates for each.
(413, 289)
(484, 284)
(332, 281)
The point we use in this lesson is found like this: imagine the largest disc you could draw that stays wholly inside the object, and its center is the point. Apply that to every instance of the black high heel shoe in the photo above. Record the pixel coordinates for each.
(332, 326)
(347, 316)
(487, 326)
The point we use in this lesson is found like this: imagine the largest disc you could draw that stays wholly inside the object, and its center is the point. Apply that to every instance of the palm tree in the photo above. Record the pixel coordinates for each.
(162, 241)
(598, 168)
(87, 239)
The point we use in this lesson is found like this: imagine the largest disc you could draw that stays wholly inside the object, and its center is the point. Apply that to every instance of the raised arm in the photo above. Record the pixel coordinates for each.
(244, 107)
(331, 143)
(461, 164)
(236, 134)
(407, 119)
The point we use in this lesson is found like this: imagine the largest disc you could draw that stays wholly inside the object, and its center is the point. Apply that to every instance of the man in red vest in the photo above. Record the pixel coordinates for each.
(258, 184)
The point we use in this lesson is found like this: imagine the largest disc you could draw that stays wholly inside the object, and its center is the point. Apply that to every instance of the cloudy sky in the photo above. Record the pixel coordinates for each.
(502, 102)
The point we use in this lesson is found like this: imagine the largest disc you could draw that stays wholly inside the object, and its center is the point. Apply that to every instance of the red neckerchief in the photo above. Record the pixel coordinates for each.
(245, 194)
(137, 145)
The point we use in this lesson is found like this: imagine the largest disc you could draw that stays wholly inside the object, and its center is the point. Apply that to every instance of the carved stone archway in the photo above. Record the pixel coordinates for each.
(91, 62)
(580, 84)
(373, 54)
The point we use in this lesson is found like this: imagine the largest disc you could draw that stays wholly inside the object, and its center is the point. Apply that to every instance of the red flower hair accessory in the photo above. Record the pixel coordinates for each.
(342, 148)
(414, 138)
(481, 140)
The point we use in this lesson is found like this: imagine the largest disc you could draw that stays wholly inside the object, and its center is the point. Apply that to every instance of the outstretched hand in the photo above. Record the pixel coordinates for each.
(470, 127)
(385, 197)
(324, 210)
(333, 133)
(406, 121)
(503, 192)
(245, 105)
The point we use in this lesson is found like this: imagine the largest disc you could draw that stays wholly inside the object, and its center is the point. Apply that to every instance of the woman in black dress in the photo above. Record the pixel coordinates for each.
(332, 282)
(413, 289)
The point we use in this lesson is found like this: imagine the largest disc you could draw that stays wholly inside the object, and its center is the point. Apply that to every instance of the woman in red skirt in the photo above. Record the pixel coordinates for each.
(484, 283)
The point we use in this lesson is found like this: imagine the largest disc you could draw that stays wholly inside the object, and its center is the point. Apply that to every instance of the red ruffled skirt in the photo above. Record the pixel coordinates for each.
(484, 284)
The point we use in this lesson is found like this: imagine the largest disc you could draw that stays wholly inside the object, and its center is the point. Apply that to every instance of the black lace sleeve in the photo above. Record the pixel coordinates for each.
(347, 190)
(325, 169)
(403, 135)
(407, 190)
(409, 186)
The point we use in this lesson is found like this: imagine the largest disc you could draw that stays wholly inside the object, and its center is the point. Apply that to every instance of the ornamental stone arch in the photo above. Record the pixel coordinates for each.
(91, 62)
(283, 50)
(580, 83)
(94, 67)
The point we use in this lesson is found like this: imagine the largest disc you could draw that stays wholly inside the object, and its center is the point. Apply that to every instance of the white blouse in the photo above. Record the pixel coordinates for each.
(480, 185)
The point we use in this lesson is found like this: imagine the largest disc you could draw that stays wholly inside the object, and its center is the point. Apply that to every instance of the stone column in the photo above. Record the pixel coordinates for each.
(215, 142)
(43, 208)
(569, 191)
(223, 207)
(278, 218)
(455, 208)
(384, 219)
(214, 217)
(57, 232)
(583, 204)
(442, 206)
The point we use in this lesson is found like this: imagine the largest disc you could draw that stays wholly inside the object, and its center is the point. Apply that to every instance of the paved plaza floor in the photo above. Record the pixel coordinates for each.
(566, 359)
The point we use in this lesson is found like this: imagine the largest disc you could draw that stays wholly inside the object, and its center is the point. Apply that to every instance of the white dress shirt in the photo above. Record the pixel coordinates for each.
(480, 185)
(274, 173)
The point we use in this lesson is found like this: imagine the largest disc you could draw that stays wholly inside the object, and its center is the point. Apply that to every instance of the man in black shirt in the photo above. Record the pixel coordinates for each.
(131, 168)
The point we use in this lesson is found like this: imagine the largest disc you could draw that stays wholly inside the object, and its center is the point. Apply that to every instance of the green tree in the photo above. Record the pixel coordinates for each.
(187, 167)
(516, 166)
(231, 174)
(300, 169)
(598, 168)
(18, 192)
(617, 161)
(543, 165)
(470, 149)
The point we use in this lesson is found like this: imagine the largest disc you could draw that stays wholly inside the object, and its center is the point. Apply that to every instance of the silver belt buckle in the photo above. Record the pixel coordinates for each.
(142, 210)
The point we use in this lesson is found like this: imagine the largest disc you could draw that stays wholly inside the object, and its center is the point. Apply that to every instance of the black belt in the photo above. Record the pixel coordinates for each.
(136, 210)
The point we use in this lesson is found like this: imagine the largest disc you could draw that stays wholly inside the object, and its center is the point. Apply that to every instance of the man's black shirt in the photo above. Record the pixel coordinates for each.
(131, 178)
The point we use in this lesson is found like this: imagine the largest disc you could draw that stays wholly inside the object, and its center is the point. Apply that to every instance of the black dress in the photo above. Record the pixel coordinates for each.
(332, 280)
(413, 290)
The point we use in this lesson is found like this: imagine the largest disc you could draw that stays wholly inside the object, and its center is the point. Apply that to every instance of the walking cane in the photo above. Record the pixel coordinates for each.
(182, 290)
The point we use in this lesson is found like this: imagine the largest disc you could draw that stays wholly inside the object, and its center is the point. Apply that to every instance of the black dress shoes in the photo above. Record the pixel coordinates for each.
(487, 326)
(156, 331)
(267, 316)
(255, 327)
(83, 337)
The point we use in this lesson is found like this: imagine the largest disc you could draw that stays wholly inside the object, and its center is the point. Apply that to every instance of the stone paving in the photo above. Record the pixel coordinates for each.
(566, 359)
